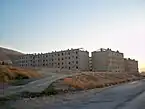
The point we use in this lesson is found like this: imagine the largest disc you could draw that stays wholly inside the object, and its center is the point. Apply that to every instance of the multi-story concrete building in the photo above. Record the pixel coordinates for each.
(103, 60)
(72, 59)
(131, 65)
(106, 60)
(35, 60)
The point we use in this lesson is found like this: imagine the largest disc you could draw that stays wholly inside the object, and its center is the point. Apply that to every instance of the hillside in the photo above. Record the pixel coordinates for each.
(8, 54)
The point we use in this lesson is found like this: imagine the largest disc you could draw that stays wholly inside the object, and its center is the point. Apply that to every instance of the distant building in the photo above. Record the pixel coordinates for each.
(103, 60)
(106, 60)
(73, 59)
(35, 60)
(131, 65)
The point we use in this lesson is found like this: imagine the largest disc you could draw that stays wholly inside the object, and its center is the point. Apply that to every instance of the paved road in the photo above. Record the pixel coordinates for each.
(125, 96)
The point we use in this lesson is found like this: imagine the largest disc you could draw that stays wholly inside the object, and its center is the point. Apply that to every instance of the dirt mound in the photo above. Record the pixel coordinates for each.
(8, 73)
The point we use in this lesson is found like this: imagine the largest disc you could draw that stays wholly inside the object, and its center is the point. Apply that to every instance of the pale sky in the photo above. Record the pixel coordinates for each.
(46, 25)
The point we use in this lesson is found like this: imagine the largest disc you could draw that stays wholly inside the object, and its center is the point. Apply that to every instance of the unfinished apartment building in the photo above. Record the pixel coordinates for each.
(35, 60)
(131, 65)
(106, 60)
(72, 59)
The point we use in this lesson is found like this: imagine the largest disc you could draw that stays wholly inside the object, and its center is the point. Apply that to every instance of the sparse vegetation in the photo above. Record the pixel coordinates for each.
(8, 73)
(98, 80)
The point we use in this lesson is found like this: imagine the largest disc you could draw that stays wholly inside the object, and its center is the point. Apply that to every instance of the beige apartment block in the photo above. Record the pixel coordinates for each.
(34, 60)
(73, 59)
(131, 65)
(106, 60)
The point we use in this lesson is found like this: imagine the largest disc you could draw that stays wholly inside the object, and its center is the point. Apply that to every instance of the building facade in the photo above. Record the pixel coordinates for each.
(34, 60)
(90, 63)
(103, 60)
(106, 60)
(72, 59)
(131, 65)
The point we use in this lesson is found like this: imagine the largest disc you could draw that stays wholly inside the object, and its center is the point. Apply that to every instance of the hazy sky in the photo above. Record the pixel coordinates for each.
(47, 25)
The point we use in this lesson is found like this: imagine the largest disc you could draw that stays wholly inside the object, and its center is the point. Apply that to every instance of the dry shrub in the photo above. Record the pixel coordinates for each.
(8, 73)
(99, 80)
